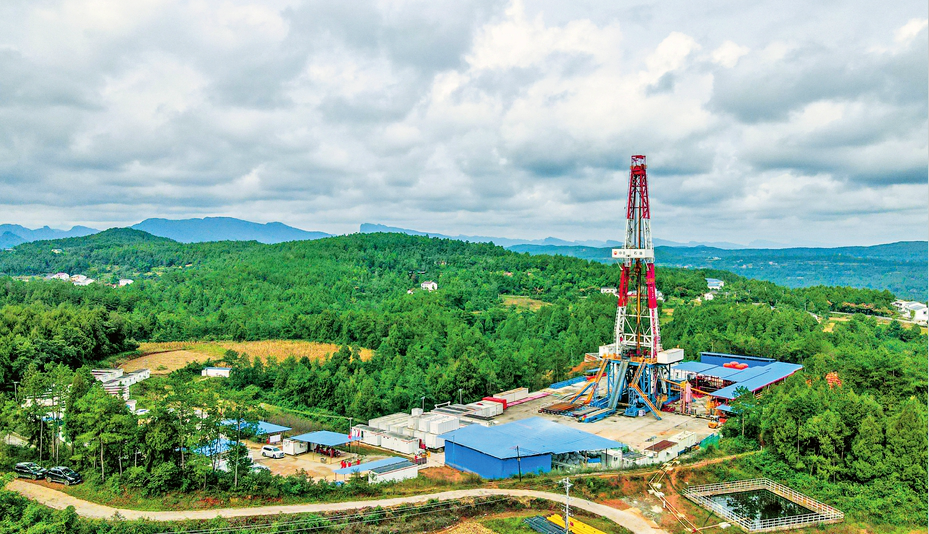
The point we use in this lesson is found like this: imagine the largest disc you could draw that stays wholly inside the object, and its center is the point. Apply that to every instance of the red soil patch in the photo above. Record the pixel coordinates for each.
(442, 473)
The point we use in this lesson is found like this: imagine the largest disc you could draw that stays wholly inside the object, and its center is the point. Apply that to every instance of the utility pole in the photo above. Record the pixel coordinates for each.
(567, 505)
(350, 435)
(424, 403)
(519, 464)
(459, 395)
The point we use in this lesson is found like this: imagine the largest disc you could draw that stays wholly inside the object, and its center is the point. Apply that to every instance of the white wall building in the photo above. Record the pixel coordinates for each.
(216, 371)
(429, 285)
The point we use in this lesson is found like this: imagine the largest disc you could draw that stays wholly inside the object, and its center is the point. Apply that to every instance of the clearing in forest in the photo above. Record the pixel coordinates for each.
(518, 301)
(163, 358)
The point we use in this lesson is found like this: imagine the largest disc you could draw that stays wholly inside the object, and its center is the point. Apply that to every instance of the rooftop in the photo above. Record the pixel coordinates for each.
(528, 437)
(661, 445)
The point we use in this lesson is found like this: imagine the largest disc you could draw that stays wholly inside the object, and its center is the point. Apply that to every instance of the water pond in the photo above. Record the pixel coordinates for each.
(759, 504)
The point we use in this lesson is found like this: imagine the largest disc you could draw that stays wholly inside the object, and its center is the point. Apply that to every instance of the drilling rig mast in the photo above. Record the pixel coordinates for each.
(632, 370)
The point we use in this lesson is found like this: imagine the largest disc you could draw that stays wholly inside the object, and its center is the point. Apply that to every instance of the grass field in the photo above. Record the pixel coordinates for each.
(162, 358)
(523, 302)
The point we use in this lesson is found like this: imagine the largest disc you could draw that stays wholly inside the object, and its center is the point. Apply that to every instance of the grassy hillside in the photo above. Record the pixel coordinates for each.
(898, 267)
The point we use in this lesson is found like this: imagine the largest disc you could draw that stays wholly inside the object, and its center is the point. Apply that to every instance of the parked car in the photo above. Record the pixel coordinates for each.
(29, 470)
(272, 452)
(64, 475)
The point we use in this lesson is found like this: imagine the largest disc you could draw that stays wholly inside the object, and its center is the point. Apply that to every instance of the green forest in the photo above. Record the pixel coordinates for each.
(862, 444)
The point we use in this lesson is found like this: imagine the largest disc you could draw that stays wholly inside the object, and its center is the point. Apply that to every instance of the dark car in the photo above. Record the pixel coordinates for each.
(29, 470)
(65, 475)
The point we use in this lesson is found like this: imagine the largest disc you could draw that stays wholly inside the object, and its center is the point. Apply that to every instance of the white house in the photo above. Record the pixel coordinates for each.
(59, 276)
(663, 451)
(125, 281)
(610, 290)
(216, 371)
(921, 316)
(429, 285)
(713, 283)
(708, 296)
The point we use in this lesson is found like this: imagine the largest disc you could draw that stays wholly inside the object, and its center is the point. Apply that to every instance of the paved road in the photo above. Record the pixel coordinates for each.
(56, 499)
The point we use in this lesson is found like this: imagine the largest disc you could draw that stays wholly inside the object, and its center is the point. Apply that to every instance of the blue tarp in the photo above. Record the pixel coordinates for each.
(568, 382)
(260, 428)
(324, 437)
(220, 446)
(533, 436)
(692, 367)
(367, 466)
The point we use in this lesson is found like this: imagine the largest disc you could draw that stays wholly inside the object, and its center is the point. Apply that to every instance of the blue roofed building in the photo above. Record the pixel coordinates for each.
(723, 375)
(533, 445)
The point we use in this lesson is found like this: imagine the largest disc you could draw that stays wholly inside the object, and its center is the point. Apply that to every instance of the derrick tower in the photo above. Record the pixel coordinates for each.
(633, 372)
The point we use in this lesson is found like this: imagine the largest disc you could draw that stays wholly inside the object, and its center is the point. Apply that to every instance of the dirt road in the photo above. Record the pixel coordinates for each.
(56, 499)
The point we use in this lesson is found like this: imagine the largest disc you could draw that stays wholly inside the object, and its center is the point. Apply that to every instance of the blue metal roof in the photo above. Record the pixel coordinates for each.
(773, 372)
(324, 437)
(260, 428)
(719, 358)
(533, 436)
(692, 367)
(367, 466)
(722, 372)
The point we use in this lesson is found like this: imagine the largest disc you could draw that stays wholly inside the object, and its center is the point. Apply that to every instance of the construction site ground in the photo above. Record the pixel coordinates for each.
(636, 432)
(322, 467)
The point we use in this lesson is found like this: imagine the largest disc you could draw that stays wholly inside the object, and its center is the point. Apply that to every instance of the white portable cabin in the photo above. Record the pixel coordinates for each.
(399, 443)
(394, 472)
(216, 371)
(294, 448)
(513, 395)
(670, 356)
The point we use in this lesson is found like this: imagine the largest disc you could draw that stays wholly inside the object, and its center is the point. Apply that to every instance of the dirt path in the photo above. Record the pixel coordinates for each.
(56, 499)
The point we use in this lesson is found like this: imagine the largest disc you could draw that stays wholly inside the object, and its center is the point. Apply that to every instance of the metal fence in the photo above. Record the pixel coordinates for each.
(821, 513)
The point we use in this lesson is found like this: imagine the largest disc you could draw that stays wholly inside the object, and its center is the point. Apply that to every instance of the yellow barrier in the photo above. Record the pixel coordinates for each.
(576, 526)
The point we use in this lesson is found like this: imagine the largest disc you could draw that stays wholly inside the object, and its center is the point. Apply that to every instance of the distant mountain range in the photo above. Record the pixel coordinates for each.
(901, 267)
(14, 234)
(224, 229)
(368, 228)
(181, 230)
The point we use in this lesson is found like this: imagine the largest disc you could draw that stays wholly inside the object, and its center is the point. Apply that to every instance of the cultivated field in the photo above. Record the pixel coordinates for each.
(162, 358)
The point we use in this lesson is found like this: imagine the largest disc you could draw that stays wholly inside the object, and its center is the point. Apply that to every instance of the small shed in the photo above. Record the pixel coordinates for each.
(663, 451)
(394, 472)
(216, 371)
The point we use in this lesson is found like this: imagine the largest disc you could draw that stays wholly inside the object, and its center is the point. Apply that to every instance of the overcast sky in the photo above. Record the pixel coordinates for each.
(791, 121)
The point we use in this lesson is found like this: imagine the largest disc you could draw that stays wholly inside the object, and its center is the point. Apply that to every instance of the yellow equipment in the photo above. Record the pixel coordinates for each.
(576, 526)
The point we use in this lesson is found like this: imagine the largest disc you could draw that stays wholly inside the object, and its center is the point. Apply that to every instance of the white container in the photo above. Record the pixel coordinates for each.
(294, 448)
(670, 356)
(417, 412)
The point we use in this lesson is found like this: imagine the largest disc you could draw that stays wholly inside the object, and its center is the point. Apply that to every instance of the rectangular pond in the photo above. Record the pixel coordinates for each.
(758, 505)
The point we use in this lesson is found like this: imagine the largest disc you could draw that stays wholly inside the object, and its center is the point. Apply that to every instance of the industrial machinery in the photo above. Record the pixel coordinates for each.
(633, 371)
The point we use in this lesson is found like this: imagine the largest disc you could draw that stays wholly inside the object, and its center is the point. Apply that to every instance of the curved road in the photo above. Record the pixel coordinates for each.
(56, 499)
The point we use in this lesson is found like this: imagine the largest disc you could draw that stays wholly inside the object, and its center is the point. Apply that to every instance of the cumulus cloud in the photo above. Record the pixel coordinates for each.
(760, 121)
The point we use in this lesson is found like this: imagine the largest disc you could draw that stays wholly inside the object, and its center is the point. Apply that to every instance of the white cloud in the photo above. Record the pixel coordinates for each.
(473, 117)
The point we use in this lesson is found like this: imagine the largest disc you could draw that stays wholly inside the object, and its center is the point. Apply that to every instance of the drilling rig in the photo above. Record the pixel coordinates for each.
(633, 370)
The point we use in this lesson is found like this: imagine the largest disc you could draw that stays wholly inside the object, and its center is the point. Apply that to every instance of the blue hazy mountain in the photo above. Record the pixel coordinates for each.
(899, 267)
(368, 228)
(28, 235)
(224, 229)
(10, 240)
